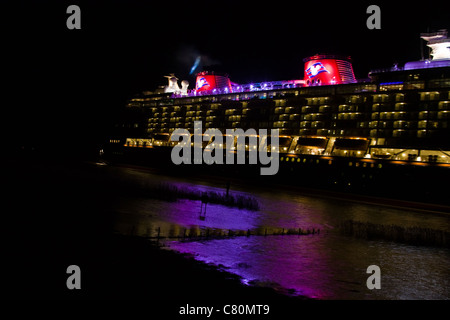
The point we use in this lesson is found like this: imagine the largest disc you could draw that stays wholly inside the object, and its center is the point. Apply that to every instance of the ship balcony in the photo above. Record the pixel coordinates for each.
(443, 115)
(444, 105)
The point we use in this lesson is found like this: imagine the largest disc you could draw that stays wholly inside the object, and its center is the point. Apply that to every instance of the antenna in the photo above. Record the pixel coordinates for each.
(421, 49)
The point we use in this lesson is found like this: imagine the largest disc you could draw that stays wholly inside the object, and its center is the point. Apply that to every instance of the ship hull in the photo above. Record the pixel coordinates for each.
(351, 176)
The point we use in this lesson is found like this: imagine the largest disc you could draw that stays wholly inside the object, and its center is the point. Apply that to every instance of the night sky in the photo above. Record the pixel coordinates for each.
(64, 87)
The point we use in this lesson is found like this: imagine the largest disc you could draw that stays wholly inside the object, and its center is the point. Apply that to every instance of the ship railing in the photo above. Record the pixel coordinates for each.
(383, 70)
(251, 87)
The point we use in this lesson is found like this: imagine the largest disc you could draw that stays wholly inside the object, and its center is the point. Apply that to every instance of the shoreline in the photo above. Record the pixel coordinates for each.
(206, 282)
(130, 267)
(57, 215)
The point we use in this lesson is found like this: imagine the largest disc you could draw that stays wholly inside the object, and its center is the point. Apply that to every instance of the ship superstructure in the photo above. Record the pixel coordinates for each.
(401, 113)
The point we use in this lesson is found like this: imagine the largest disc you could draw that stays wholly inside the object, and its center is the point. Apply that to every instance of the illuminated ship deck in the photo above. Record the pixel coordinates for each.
(251, 87)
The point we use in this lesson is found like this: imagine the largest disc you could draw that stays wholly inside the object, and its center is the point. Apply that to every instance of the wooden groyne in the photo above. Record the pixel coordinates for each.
(196, 234)
(172, 193)
(408, 235)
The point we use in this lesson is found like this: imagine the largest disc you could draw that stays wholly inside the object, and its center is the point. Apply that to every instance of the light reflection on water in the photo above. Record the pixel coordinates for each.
(328, 266)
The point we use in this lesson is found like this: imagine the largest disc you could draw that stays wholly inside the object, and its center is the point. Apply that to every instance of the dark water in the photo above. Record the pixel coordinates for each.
(326, 265)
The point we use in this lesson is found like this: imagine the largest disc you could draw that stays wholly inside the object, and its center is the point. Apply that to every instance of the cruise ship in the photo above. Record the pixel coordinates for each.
(386, 135)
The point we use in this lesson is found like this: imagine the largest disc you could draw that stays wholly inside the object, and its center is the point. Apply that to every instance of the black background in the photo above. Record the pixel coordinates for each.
(64, 87)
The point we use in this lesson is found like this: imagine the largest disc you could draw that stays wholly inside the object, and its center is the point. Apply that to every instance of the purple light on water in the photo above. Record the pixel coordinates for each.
(186, 213)
(293, 265)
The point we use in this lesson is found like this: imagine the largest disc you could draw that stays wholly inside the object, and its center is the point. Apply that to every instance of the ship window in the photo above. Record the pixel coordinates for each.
(444, 105)
(344, 107)
(399, 97)
(398, 133)
(400, 106)
(421, 133)
(393, 86)
(380, 98)
(354, 99)
(422, 124)
(279, 110)
(425, 96)
(423, 114)
(433, 125)
(399, 115)
(324, 108)
(444, 115)
(373, 124)
(324, 100)
(288, 109)
(306, 109)
(280, 103)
